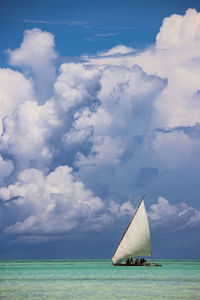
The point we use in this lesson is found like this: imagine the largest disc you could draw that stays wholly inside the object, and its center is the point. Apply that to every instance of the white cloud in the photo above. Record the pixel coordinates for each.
(107, 34)
(176, 217)
(133, 106)
(44, 207)
(74, 136)
(53, 204)
(109, 118)
(125, 109)
(76, 84)
(10, 97)
(180, 31)
(162, 210)
(105, 151)
(194, 219)
(117, 50)
(27, 131)
(36, 54)
(6, 168)
(126, 207)
(173, 57)
(184, 151)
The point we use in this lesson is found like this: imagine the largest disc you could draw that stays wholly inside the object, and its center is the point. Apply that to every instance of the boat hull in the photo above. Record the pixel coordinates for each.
(138, 265)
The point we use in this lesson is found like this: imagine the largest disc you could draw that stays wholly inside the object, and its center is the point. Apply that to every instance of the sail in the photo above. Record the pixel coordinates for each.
(136, 239)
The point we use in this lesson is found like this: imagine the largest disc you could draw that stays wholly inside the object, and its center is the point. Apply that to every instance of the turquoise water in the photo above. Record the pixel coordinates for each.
(98, 279)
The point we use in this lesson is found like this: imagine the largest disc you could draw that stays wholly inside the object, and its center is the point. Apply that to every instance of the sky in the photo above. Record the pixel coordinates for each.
(99, 105)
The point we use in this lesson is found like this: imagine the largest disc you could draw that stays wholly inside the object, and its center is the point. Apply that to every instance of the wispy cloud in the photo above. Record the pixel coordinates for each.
(77, 23)
(107, 34)
(90, 39)
(62, 22)
(39, 21)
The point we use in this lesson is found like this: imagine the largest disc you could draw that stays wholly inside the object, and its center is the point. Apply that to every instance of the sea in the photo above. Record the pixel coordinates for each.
(98, 279)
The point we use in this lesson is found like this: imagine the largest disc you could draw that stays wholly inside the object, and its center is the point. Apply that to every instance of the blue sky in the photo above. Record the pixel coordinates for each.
(88, 26)
(99, 105)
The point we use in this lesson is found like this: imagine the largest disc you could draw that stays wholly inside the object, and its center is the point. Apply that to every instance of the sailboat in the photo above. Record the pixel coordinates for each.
(135, 241)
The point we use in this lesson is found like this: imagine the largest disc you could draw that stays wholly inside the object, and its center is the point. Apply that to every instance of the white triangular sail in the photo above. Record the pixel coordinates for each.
(136, 239)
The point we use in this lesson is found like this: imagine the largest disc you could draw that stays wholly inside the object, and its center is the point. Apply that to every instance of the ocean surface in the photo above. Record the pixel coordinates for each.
(98, 279)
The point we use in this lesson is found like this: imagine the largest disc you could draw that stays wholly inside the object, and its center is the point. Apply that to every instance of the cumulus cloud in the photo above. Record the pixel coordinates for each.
(55, 204)
(10, 97)
(119, 120)
(176, 217)
(184, 149)
(36, 54)
(117, 50)
(162, 210)
(76, 84)
(27, 131)
(179, 31)
(6, 168)
(159, 144)
(52, 204)
(174, 61)
(77, 136)
(126, 104)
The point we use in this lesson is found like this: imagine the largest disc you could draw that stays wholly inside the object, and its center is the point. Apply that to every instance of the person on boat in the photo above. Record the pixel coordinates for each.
(137, 261)
(127, 262)
(142, 261)
(131, 261)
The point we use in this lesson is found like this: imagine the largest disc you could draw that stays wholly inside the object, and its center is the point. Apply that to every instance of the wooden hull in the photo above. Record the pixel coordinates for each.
(140, 265)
